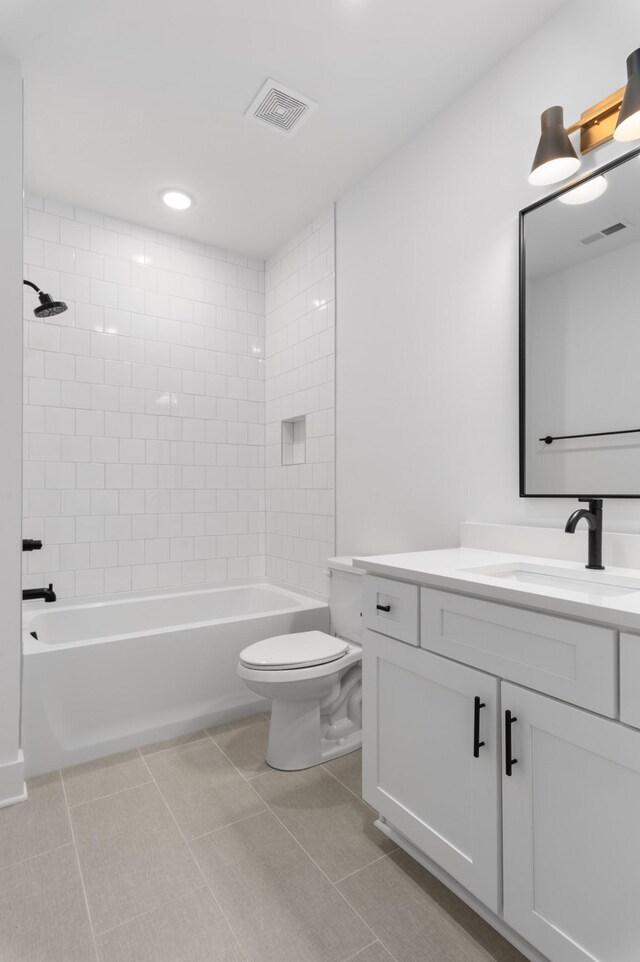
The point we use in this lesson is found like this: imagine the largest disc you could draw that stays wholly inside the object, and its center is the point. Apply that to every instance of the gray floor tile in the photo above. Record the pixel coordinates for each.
(37, 825)
(105, 776)
(202, 788)
(43, 915)
(333, 826)
(245, 743)
(172, 742)
(132, 856)
(191, 929)
(420, 920)
(348, 769)
(278, 903)
(373, 953)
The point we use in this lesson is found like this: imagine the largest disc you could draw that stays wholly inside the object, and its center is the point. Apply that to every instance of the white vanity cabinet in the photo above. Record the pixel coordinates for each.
(550, 845)
(429, 715)
(571, 831)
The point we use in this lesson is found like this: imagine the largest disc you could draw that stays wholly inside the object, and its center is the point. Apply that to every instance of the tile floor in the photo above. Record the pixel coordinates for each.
(194, 850)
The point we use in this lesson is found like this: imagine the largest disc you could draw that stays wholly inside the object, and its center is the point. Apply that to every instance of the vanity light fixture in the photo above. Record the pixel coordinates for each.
(628, 126)
(555, 157)
(617, 116)
(584, 193)
(176, 199)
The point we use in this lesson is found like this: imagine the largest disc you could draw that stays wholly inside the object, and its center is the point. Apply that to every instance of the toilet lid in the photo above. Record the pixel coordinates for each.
(300, 650)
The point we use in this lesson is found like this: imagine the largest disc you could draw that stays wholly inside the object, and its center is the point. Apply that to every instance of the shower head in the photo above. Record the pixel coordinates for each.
(47, 306)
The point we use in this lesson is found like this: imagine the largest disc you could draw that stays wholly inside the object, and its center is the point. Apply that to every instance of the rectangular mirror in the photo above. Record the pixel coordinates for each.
(580, 338)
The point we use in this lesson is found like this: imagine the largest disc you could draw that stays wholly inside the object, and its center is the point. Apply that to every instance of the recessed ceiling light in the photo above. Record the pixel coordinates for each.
(176, 199)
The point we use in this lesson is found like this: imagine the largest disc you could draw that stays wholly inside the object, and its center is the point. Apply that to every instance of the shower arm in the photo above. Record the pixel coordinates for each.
(31, 284)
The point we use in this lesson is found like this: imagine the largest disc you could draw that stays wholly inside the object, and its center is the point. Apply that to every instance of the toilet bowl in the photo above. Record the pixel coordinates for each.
(313, 680)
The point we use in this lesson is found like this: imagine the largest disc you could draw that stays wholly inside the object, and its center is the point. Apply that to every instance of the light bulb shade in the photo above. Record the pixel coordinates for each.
(555, 158)
(628, 126)
(584, 193)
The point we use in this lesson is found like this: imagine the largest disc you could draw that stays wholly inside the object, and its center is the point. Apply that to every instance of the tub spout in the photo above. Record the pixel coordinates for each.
(34, 594)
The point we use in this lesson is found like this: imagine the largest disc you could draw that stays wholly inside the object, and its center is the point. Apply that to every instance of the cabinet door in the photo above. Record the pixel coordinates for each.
(571, 846)
(420, 770)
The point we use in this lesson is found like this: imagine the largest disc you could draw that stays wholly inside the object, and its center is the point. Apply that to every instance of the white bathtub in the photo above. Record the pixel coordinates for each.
(107, 675)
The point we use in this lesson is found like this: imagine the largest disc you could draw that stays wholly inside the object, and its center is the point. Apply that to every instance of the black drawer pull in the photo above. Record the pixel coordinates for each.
(477, 744)
(509, 719)
(383, 607)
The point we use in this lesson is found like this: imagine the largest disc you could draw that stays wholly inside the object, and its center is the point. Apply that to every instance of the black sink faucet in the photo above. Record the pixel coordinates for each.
(593, 517)
(34, 594)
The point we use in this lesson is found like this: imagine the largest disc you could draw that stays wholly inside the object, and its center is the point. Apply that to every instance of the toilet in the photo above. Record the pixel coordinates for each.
(314, 680)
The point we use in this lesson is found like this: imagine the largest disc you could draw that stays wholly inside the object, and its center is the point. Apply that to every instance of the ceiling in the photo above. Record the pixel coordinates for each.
(124, 98)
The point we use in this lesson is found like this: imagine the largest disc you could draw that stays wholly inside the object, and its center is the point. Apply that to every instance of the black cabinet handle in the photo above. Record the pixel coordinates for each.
(383, 607)
(509, 719)
(477, 744)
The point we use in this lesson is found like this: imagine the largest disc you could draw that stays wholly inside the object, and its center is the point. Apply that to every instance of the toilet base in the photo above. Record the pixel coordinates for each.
(332, 749)
(293, 737)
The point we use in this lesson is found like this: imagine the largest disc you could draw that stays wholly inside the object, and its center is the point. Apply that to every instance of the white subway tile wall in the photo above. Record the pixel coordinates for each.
(300, 380)
(144, 407)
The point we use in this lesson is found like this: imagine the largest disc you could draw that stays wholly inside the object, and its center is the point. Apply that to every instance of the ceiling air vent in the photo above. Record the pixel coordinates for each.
(605, 232)
(279, 108)
(614, 228)
(592, 238)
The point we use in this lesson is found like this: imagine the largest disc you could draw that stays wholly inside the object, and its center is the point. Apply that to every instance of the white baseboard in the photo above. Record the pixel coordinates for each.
(12, 784)
(494, 920)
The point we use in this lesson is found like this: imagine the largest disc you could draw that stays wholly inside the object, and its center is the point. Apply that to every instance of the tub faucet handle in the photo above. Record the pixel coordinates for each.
(29, 544)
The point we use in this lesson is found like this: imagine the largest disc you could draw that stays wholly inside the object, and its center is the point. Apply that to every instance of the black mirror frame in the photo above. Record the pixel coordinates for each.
(522, 323)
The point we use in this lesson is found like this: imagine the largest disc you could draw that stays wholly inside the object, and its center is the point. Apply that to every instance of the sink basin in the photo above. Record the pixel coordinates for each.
(564, 579)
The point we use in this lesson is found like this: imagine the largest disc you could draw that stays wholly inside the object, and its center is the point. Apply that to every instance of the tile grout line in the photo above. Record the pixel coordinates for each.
(362, 867)
(213, 896)
(99, 798)
(353, 958)
(242, 775)
(355, 794)
(142, 915)
(220, 828)
(30, 858)
(301, 846)
(75, 849)
(193, 856)
(335, 888)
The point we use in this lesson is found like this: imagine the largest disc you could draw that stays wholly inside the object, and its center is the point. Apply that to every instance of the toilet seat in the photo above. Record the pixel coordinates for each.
(304, 649)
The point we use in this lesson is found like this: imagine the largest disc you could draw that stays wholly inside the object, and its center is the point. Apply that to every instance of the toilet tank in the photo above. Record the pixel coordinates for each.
(345, 599)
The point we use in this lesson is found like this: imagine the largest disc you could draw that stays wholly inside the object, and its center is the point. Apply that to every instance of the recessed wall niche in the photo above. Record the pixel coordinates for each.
(294, 440)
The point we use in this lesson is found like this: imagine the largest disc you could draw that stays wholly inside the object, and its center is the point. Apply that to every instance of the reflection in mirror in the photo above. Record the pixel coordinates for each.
(580, 338)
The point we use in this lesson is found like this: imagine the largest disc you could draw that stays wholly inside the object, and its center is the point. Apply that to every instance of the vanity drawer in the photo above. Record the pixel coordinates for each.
(567, 659)
(401, 620)
(630, 679)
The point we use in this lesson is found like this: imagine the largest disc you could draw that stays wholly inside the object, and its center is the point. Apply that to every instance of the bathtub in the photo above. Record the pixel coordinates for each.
(106, 675)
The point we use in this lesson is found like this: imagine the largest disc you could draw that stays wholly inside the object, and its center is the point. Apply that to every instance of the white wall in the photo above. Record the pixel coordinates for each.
(144, 407)
(11, 767)
(300, 382)
(427, 272)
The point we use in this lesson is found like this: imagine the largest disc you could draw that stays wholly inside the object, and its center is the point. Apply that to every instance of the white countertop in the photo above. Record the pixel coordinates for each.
(447, 569)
